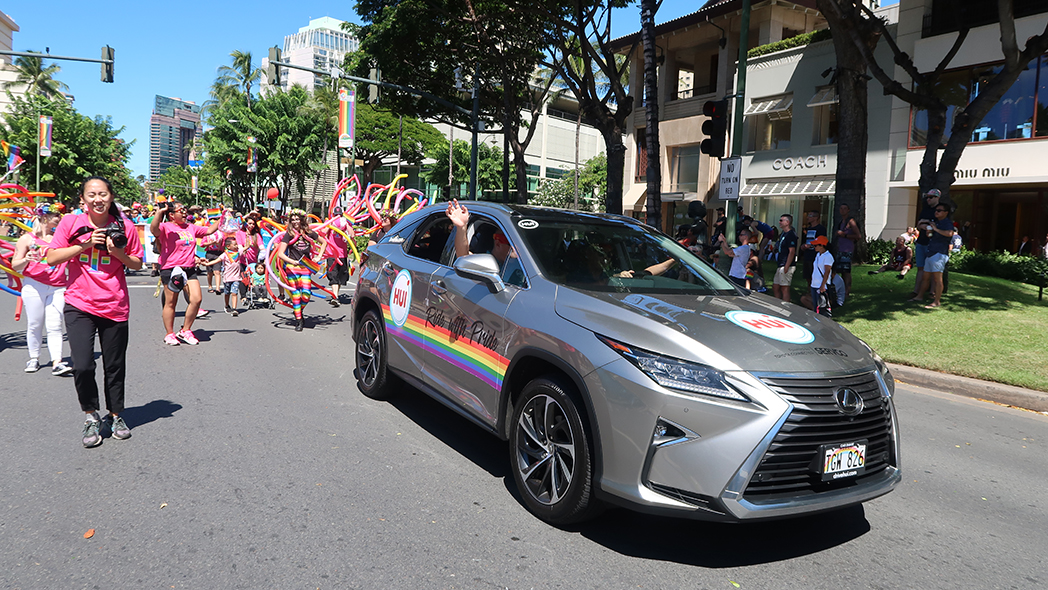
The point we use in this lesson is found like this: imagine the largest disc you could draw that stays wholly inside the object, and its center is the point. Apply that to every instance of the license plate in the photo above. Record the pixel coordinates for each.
(843, 461)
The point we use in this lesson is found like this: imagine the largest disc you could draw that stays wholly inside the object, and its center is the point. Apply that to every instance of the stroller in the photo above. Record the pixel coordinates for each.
(255, 297)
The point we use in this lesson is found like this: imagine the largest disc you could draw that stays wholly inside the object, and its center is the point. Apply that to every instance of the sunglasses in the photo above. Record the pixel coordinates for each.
(941, 210)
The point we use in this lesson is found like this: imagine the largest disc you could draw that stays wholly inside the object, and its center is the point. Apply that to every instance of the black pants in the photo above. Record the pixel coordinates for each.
(81, 328)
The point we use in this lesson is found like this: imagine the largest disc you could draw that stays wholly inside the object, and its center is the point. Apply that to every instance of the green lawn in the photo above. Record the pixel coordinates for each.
(987, 328)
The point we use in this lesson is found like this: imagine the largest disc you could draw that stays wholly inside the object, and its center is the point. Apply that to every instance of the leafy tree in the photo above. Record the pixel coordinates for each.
(288, 144)
(487, 43)
(560, 193)
(81, 147)
(177, 182)
(36, 77)
(242, 75)
(489, 167)
(581, 51)
(851, 18)
(377, 134)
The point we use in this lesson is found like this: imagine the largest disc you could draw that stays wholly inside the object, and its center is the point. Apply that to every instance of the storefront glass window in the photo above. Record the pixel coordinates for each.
(954, 88)
(825, 131)
(1042, 99)
(1012, 116)
(685, 165)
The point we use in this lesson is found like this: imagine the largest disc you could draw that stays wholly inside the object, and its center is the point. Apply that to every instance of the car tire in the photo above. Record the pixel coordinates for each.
(550, 453)
(373, 378)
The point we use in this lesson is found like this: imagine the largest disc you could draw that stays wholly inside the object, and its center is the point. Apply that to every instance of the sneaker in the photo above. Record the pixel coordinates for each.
(61, 369)
(92, 436)
(202, 313)
(170, 339)
(118, 427)
(32, 366)
(235, 313)
(187, 337)
(229, 309)
(872, 272)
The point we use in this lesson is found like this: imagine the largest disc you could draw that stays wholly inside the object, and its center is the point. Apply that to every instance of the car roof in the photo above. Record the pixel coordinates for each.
(514, 210)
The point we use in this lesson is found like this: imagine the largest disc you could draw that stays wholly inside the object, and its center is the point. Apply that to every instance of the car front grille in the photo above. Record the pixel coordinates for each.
(789, 469)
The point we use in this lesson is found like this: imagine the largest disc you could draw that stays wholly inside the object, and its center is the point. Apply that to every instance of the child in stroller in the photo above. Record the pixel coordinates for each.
(255, 279)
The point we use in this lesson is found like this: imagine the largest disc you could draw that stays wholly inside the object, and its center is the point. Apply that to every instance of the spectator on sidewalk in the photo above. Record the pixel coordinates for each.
(813, 230)
(822, 274)
(740, 256)
(925, 219)
(937, 257)
(900, 260)
(1025, 247)
(785, 257)
(846, 235)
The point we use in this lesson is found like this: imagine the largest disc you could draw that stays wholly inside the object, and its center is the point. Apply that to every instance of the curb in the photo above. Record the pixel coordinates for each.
(996, 392)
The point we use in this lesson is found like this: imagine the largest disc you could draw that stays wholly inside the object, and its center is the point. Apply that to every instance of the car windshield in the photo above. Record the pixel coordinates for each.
(619, 257)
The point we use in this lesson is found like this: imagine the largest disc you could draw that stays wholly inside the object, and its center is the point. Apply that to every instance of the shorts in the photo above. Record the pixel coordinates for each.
(337, 271)
(936, 262)
(843, 262)
(231, 287)
(738, 281)
(784, 279)
(165, 274)
(920, 251)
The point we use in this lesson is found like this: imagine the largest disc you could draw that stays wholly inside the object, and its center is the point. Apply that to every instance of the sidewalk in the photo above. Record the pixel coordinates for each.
(968, 387)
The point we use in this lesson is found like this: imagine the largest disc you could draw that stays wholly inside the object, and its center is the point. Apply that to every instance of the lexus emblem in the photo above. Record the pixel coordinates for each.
(849, 402)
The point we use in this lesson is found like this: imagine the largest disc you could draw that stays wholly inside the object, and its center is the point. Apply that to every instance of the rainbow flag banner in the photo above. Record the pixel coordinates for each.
(213, 213)
(347, 110)
(46, 124)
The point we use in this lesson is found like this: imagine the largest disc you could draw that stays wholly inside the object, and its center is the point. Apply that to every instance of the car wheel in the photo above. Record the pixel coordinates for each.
(373, 378)
(550, 454)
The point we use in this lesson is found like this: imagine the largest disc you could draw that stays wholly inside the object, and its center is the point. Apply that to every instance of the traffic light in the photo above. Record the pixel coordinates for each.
(374, 90)
(273, 70)
(107, 68)
(715, 128)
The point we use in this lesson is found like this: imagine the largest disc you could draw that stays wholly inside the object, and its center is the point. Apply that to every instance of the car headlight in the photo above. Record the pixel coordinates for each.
(674, 373)
(882, 368)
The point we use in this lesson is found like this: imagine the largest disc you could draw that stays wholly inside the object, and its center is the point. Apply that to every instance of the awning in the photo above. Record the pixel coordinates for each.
(773, 104)
(785, 187)
(824, 96)
(635, 199)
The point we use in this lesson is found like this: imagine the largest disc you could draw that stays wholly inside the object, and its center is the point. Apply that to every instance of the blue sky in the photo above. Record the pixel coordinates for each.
(174, 49)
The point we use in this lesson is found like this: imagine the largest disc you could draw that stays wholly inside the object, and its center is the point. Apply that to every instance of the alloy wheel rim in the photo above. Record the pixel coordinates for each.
(545, 450)
(368, 354)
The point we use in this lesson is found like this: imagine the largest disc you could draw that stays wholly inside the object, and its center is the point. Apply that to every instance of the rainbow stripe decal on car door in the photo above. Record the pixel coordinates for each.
(462, 351)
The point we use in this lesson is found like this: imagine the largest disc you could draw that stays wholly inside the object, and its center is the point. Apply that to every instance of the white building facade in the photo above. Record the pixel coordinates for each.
(321, 45)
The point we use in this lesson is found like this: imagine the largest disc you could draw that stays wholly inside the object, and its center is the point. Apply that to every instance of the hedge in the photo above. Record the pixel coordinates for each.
(798, 41)
(1005, 265)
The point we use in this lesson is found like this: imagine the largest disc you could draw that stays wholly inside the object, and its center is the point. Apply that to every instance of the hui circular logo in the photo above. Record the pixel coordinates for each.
(770, 326)
(400, 298)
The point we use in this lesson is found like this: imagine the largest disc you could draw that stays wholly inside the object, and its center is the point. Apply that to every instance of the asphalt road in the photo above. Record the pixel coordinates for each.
(255, 463)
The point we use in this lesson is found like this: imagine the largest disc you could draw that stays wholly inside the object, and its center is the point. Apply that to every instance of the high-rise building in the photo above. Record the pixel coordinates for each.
(173, 127)
(319, 45)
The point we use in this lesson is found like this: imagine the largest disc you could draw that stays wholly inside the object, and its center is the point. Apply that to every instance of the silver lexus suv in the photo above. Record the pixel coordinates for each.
(623, 369)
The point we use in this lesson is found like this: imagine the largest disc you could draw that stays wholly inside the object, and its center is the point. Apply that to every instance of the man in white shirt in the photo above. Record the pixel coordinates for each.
(821, 276)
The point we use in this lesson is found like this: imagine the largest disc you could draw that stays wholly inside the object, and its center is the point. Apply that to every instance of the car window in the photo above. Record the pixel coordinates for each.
(398, 234)
(619, 257)
(486, 237)
(428, 243)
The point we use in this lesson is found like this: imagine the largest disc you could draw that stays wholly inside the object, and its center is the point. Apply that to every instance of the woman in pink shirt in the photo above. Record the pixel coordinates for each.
(43, 291)
(97, 299)
(177, 239)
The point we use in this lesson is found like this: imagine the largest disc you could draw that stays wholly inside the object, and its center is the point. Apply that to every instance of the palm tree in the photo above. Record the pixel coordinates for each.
(37, 78)
(241, 76)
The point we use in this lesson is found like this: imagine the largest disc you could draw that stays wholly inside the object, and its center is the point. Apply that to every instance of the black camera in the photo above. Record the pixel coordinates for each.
(114, 231)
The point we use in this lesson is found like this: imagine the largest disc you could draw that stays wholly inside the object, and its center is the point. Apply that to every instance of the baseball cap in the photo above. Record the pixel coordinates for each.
(178, 279)
(500, 237)
(933, 192)
(820, 241)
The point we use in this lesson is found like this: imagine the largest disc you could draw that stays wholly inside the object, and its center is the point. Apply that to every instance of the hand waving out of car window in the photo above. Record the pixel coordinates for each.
(459, 216)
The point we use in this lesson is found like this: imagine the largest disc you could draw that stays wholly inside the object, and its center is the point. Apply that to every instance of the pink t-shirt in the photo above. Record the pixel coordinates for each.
(178, 244)
(230, 267)
(96, 280)
(42, 272)
(336, 245)
(252, 243)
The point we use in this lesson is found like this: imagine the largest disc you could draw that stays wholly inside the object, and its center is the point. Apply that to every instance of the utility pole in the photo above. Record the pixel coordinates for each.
(740, 93)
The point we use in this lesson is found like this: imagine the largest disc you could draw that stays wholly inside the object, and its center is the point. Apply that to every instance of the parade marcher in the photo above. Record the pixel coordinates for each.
(43, 289)
(177, 239)
(337, 255)
(232, 274)
(296, 245)
(99, 245)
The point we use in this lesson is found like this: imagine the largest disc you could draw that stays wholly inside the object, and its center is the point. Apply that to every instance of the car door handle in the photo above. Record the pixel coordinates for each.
(438, 288)
(388, 269)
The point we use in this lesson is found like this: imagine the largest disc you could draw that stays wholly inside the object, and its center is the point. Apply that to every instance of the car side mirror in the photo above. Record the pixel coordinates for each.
(480, 267)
